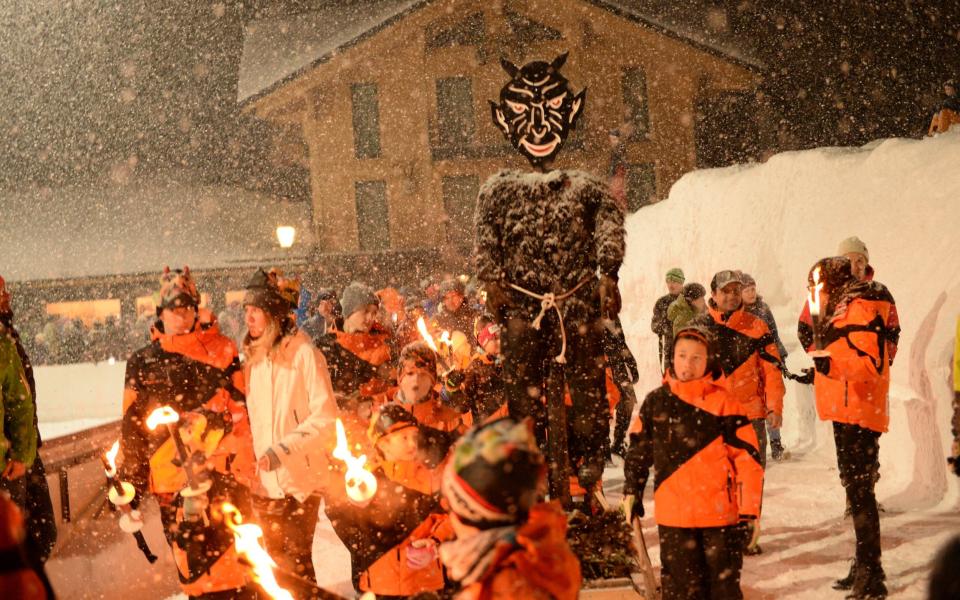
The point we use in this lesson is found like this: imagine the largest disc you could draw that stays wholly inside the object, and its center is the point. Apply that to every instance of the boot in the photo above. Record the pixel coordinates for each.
(868, 585)
(776, 450)
(846, 583)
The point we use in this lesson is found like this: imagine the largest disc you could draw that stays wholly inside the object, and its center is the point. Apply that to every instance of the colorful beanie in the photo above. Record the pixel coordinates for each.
(493, 473)
(177, 289)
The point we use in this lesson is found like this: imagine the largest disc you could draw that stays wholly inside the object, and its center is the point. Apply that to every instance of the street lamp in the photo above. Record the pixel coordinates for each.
(286, 235)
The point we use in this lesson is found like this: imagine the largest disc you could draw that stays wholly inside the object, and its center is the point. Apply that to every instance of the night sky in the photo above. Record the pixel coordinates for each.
(98, 89)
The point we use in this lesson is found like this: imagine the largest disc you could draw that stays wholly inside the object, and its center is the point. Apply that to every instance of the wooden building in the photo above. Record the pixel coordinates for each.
(387, 108)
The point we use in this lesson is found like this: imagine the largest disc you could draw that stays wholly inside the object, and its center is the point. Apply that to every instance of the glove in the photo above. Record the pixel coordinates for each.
(822, 365)
(194, 506)
(632, 508)
(420, 553)
(807, 378)
(454, 379)
(748, 527)
(609, 297)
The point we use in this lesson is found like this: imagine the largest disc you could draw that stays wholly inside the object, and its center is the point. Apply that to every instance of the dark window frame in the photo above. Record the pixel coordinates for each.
(461, 131)
(365, 108)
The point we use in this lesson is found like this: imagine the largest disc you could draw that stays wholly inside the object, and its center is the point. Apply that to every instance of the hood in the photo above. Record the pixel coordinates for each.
(544, 557)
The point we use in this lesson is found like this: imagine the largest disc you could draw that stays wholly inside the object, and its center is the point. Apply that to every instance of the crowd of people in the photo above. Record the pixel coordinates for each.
(445, 435)
(63, 340)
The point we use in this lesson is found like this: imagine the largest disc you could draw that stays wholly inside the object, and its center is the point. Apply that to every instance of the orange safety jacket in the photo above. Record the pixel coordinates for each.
(17, 577)
(703, 451)
(854, 389)
(750, 360)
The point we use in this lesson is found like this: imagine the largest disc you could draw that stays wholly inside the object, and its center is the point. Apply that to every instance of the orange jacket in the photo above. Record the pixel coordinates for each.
(943, 120)
(538, 566)
(750, 360)
(854, 388)
(374, 348)
(703, 451)
(17, 579)
(390, 575)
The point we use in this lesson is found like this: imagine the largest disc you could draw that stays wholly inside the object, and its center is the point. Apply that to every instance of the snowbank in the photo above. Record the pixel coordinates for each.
(72, 398)
(774, 220)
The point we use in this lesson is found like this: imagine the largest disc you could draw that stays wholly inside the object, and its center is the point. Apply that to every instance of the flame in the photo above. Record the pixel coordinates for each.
(112, 459)
(361, 483)
(445, 339)
(162, 416)
(246, 539)
(813, 296)
(422, 328)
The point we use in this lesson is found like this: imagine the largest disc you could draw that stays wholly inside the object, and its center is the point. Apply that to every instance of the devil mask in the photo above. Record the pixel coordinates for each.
(537, 109)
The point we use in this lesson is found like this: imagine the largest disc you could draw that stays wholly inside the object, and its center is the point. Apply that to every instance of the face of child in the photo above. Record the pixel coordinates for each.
(453, 301)
(361, 320)
(415, 381)
(689, 359)
(749, 295)
(492, 347)
(400, 445)
(700, 304)
(256, 320)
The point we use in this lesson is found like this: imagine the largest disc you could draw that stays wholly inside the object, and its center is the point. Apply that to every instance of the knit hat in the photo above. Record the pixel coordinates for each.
(324, 294)
(490, 331)
(391, 418)
(492, 476)
(452, 285)
(747, 280)
(853, 244)
(723, 279)
(357, 296)
(676, 275)
(702, 328)
(5, 308)
(692, 291)
(421, 355)
(177, 289)
(272, 292)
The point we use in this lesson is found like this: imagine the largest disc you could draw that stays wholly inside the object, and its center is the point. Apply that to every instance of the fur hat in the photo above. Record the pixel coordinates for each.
(676, 275)
(421, 354)
(271, 292)
(177, 289)
(493, 473)
(835, 273)
(692, 291)
(357, 296)
(853, 244)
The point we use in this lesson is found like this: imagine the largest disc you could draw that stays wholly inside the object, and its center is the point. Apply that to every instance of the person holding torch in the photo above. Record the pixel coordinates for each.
(844, 330)
(185, 438)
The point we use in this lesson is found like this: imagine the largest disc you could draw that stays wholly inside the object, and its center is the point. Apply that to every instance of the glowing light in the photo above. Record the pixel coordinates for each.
(361, 483)
(813, 297)
(111, 464)
(246, 539)
(425, 334)
(285, 235)
(162, 416)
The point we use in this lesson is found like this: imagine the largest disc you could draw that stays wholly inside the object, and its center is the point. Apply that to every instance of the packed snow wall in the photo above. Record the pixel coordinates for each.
(775, 220)
(76, 397)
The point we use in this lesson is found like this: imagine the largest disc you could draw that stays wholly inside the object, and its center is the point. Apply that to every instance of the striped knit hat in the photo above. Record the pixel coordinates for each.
(492, 476)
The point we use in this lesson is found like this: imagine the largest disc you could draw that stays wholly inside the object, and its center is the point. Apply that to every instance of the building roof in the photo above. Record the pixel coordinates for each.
(277, 50)
(140, 227)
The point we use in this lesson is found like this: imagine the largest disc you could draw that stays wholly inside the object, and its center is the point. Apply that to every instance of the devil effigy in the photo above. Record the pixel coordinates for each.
(549, 244)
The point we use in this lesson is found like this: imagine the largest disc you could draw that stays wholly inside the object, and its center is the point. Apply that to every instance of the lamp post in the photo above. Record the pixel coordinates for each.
(286, 234)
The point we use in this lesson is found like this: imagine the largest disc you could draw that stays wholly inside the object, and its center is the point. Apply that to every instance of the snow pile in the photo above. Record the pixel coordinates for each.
(774, 220)
(72, 398)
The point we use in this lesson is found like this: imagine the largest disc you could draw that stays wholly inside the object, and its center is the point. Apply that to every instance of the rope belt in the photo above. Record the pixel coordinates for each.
(548, 301)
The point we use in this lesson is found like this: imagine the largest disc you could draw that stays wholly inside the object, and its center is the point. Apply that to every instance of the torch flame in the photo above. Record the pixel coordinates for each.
(112, 459)
(445, 339)
(246, 539)
(813, 296)
(162, 416)
(422, 328)
(361, 483)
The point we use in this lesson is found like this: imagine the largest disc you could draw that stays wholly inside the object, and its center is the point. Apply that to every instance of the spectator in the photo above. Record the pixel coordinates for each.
(661, 323)
(948, 113)
(688, 305)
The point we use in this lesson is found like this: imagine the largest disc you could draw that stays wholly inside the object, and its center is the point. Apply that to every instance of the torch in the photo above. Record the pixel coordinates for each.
(169, 417)
(246, 539)
(444, 338)
(121, 494)
(361, 484)
(813, 301)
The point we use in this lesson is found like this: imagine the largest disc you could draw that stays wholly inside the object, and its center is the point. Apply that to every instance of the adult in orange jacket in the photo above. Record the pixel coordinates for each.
(708, 474)
(507, 545)
(192, 368)
(851, 385)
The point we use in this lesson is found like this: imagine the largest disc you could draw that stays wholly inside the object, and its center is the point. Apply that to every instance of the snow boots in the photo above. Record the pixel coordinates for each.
(776, 450)
(863, 583)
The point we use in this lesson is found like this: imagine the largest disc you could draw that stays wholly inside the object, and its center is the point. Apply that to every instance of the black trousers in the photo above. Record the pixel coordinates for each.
(858, 454)
(288, 527)
(701, 563)
(528, 360)
(628, 400)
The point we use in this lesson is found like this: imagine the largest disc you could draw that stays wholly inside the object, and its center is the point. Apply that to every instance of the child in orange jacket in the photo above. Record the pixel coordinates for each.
(708, 475)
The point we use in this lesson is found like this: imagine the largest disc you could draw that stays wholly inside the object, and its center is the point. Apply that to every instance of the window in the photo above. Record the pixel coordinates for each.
(460, 201)
(455, 118)
(366, 120)
(373, 218)
(634, 83)
(641, 186)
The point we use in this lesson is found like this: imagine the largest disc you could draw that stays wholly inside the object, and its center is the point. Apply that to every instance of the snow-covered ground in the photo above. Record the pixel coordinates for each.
(774, 221)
